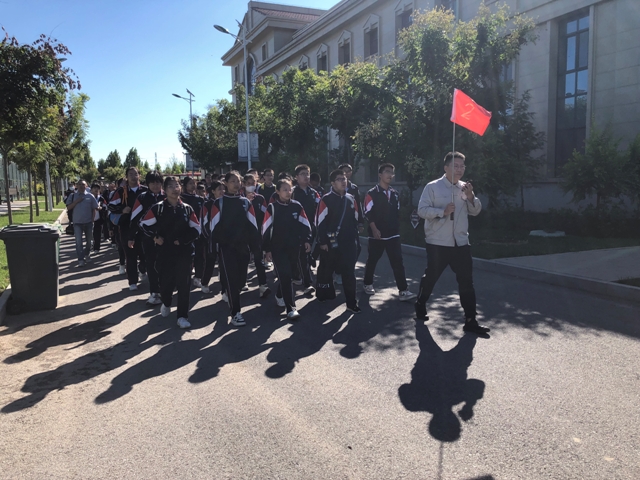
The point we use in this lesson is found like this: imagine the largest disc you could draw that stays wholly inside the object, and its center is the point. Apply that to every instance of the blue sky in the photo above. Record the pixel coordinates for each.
(131, 55)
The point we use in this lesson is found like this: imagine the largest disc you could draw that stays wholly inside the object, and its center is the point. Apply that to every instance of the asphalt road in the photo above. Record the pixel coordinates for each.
(104, 387)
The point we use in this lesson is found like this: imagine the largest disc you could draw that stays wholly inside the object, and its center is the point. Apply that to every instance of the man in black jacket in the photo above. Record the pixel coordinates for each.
(337, 224)
(381, 209)
(122, 204)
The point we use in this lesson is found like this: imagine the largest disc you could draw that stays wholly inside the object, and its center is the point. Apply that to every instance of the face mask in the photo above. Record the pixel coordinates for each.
(250, 189)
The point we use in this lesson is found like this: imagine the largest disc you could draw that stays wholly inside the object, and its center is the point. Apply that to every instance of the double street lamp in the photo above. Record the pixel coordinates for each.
(190, 99)
(246, 81)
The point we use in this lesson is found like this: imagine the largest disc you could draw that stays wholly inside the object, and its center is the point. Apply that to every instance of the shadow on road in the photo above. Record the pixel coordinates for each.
(439, 382)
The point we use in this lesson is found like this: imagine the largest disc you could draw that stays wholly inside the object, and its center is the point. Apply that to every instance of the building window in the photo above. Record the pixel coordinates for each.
(371, 42)
(573, 76)
(265, 52)
(236, 75)
(322, 63)
(403, 20)
(322, 59)
(344, 53)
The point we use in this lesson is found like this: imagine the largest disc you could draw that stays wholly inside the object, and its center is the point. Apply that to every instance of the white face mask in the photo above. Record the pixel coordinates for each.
(250, 188)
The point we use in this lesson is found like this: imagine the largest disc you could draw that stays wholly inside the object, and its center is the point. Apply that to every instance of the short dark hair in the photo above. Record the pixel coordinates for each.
(334, 174)
(200, 186)
(386, 165)
(315, 177)
(343, 166)
(215, 184)
(214, 176)
(248, 176)
(153, 176)
(252, 171)
(95, 185)
(168, 179)
(282, 175)
(264, 172)
(186, 180)
(207, 175)
(126, 172)
(301, 168)
(281, 182)
(448, 158)
(228, 175)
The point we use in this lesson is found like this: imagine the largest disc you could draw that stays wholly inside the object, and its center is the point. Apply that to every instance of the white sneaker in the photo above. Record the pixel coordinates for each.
(164, 310)
(297, 282)
(369, 290)
(133, 287)
(206, 289)
(122, 270)
(338, 279)
(309, 290)
(238, 320)
(183, 323)
(154, 299)
(197, 282)
(280, 301)
(264, 291)
(225, 297)
(144, 277)
(293, 315)
(406, 295)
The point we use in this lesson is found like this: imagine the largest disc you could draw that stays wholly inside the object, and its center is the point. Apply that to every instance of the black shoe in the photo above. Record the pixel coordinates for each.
(355, 309)
(421, 311)
(471, 325)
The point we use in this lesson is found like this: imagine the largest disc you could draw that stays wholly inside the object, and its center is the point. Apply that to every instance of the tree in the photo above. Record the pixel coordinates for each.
(32, 80)
(113, 160)
(133, 159)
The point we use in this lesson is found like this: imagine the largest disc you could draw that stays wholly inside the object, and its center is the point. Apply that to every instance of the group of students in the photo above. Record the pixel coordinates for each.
(170, 230)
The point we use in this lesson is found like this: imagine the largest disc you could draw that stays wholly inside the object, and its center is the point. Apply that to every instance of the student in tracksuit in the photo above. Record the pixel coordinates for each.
(232, 223)
(122, 203)
(174, 227)
(98, 219)
(143, 203)
(352, 189)
(309, 199)
(381, 209)
(285, 228)
(190, 197)
(259, 207)
(114, 229)
(337, 224)
(217, 191)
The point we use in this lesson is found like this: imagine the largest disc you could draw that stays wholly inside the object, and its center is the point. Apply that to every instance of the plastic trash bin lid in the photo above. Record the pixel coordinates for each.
(29, 230)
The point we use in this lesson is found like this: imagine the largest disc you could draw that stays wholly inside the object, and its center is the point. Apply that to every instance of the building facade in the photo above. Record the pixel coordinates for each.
(583, 70)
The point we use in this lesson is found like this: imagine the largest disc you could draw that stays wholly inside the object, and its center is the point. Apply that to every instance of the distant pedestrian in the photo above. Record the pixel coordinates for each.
(448, 239)
(315, 182)
(259, 207)
(98, 218)
(211, 248)
(190, 196)
(267, 188)
(382, 210)
(174, 227)
(84, 205)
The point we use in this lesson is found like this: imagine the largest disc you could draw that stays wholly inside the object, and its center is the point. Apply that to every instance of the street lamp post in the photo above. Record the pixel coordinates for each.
(190, 99)
(246, 82)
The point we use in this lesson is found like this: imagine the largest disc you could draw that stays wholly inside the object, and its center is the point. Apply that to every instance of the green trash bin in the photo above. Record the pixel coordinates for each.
(33, 258)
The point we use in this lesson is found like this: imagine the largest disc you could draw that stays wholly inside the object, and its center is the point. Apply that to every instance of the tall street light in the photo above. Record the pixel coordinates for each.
(190, 99)
(246, 82)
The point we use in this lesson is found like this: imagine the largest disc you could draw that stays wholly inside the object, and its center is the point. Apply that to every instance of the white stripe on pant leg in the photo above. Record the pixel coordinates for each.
(224, 268)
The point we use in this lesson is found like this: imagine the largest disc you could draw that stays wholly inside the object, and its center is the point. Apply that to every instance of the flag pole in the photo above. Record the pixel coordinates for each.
(453, 167)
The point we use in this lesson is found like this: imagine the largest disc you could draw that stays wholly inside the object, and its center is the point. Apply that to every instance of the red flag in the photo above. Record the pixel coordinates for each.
(469, 114)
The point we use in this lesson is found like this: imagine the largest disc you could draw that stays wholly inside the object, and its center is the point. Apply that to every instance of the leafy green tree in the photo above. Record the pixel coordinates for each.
(132, 159)
(113, 160)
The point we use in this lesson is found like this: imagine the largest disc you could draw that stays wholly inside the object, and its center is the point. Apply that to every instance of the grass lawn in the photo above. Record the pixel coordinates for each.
(501, 242)
(19, 218)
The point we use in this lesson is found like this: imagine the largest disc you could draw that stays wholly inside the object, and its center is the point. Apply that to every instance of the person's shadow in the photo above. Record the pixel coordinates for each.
(439, 382)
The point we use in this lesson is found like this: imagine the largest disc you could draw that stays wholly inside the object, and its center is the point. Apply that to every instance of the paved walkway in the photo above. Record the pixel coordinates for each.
(607, 265)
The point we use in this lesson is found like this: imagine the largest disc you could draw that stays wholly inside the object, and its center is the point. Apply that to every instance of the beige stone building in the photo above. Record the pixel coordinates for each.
(585, 65)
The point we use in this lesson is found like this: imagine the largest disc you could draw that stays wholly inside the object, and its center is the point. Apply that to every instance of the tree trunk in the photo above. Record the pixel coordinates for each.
(46, 186)
(58, 195)
(30, 198)
(35, 193)
(5, 167)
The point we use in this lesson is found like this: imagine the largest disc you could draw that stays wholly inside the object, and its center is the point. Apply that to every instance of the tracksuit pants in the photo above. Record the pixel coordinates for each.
(342, 260)
(151, 258)
(134, 256)
(394, 252)
(233, 261)
(285, 262)
(460, 261)
(199, 260)
(303, 267)
(175, 271)
(97, 235)
(209, 265)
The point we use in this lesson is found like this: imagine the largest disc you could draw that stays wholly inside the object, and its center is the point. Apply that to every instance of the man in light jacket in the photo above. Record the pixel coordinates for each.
(446, 233)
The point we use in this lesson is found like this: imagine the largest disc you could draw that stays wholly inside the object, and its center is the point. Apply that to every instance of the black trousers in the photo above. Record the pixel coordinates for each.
(150, 257)
(134, 256)
(261, 271)
(460, 261)
(394, 252)
(304, 270)
(97, 235)
(175, 271)
(284, 262)
(234, 261)
(122, 257)
(199, 260)
(341, 260)
(209, 265)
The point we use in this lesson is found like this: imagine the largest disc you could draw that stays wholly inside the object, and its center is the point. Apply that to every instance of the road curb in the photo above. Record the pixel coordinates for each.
(599, 287)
